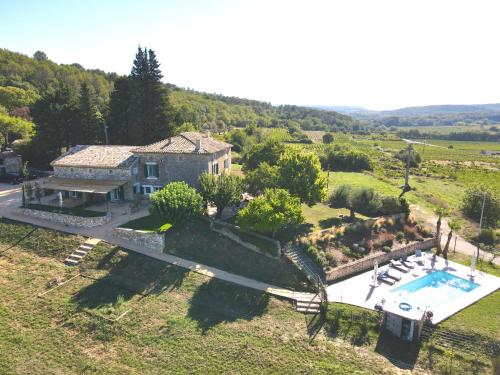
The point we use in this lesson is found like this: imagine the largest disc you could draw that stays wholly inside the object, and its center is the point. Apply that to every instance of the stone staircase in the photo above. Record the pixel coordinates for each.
(77, 255)
(305, 264)
(307, 303)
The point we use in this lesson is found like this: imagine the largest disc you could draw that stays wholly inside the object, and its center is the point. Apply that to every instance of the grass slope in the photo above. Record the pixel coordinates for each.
(179, 322)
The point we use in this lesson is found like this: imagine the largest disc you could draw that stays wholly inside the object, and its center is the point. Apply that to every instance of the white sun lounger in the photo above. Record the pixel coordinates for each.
(399, 266)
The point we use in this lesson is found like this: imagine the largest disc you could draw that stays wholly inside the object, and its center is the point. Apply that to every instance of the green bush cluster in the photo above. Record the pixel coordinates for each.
(316, 256)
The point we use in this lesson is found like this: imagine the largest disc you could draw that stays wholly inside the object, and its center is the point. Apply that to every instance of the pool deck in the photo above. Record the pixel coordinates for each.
(359, 291)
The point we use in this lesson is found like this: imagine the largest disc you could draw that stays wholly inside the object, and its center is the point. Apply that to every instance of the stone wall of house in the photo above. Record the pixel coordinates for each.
(366, 263)
(68, 220)
(11, 163)
(181, 167)
(147, 239)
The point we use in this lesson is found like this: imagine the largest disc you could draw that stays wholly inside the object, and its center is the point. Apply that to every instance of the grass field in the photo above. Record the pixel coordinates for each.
(177, 321)
(442, 129)
(181, 322)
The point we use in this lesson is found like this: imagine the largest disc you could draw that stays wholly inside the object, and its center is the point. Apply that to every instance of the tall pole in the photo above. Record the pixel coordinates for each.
(407, 174)
(480, 223)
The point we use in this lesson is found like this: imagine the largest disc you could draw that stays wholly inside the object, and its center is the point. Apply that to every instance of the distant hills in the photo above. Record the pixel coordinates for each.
(447, 114)
(414, 111)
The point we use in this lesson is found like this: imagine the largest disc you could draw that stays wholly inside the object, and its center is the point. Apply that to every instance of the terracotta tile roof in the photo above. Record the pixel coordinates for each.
(96, 157)
(185, 143)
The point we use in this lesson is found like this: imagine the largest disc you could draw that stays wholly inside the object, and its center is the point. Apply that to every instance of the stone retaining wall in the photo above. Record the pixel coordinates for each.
(367, 262)
(68, 220)
(147, 239)
(250, 246)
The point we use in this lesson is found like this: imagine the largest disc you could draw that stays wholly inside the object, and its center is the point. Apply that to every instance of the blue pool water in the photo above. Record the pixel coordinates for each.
(434, 290)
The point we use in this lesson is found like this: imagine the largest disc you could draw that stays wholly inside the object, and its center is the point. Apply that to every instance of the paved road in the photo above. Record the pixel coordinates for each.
(463, 246)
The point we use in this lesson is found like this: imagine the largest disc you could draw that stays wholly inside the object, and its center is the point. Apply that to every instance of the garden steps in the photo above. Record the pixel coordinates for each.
(308, 307)
(74, 258)
(303, 263)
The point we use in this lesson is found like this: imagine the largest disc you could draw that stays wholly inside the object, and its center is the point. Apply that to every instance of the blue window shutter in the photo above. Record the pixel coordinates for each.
(145, 170)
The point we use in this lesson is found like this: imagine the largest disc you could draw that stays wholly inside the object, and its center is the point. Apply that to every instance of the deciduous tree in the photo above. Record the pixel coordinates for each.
(267, 152)
(176, 203)
(273, 211)
(223, 190)
(261, 178)
(300, 173)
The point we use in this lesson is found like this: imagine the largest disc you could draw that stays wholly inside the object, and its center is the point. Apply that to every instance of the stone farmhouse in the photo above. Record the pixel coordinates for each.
(95, 174)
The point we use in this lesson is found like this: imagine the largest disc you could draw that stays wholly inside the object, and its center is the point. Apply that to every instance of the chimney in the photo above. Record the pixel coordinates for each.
(198, 144)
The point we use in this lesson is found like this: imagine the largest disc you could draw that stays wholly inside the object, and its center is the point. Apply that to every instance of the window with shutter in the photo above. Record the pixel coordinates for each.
(151, 171)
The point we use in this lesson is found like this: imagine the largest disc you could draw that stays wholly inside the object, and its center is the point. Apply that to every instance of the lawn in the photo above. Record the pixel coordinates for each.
(362, 180)
(147, 223)
(320, 215)
(216, 250)
(178, 321)
(266, 246)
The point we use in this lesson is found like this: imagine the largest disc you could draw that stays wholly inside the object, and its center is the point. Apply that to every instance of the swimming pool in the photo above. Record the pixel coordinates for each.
(435, 290)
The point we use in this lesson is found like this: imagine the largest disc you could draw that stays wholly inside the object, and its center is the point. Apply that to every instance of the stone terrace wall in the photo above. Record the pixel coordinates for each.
(367, 262)
(147, 239)
(233, 236)
(68, 220)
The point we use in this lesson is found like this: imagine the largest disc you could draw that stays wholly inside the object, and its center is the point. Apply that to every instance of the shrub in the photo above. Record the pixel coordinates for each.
(410, 233)
(368, 245)
(316, 256)
(389, 242)
(176, 203)
(347, 160)
(273, 211)
(327, 138)
(358, 230)
(330, 257)
(390, 205)
(415, 158)
(487, 237)
(366, 201)
(473, 201)
(386, 249)
(400, 236)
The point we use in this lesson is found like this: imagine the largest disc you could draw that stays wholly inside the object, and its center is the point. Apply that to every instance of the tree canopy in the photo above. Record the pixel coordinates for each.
(176, 203)
(223, 190)
(473, 201)
(275, 210)
(300, 173)
(266, 152)
(11, 124)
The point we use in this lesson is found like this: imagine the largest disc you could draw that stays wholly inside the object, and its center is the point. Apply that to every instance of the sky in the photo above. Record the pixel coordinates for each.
(382, 54)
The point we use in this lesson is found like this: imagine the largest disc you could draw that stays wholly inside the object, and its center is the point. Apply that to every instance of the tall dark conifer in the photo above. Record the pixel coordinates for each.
(118, 118)
(88, 122)
(55, 118)
(149, 105)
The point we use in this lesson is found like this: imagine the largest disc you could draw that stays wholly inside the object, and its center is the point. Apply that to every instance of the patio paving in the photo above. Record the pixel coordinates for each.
(358, 291)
